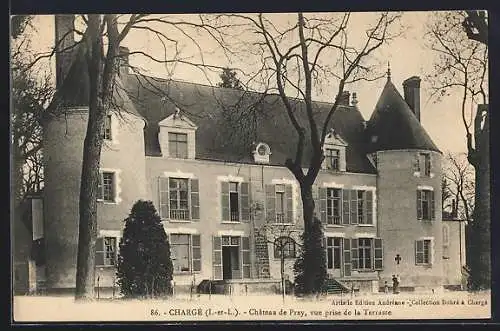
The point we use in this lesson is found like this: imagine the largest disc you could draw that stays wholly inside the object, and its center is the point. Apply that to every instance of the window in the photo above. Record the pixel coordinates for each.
(333, 252)
(179, 198)
(105, 251)
(280, 203)
(333, 203)
(423, 252)
(106, 187)
(285, 245)
(107, 127)
(361, 207)
(234, 200)
(425, 205)
(424, 164)
(365, 253)
(185, 252)
(332, 159)
(177, 145)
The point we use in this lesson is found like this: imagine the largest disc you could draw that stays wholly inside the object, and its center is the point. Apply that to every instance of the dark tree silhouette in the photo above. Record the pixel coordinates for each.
(144, 264)
(229, 79)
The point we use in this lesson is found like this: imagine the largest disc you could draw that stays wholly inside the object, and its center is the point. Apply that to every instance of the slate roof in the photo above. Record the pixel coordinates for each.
(230, 121)
(394, 126)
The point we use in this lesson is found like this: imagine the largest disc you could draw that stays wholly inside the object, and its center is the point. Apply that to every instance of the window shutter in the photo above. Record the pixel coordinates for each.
(354, 207)
(322, 204)
(245, 202)
(195, 199)
(419, 205)
(346, 210)
(378, 254)
(245, 259)
(354, 254)
(369, 207)
(99, 255)
(289, 203)
(225, 201)
(100, 194)
(431, 207)
(196, 253)
(217, 258)
(428, 164)
(347, 257)
(163, 192)
(419, 251)
(270, 203)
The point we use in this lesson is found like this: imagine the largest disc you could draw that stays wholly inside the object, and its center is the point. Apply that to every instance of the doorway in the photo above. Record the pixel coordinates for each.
(230, 262)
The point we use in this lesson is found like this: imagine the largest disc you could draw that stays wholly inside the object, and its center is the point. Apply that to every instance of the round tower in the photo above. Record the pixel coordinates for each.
(122, 172)
(408, 189)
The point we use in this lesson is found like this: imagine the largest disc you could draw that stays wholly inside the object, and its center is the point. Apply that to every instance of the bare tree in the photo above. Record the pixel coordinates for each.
(282, 238)
(462, 65)
(101, 39)
(459, 175)
(295, 59)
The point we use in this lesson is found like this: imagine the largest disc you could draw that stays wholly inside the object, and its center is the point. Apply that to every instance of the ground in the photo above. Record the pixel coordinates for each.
(446, 305)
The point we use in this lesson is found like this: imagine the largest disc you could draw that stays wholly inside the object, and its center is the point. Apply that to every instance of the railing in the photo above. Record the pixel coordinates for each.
(235, 216)
(179, 214)
(280, 218)
(333, 220)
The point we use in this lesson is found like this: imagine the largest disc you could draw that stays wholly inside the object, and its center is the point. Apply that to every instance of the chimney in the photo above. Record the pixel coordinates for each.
(411, 88)
(344, 98)
(123, 53)
(64, 39)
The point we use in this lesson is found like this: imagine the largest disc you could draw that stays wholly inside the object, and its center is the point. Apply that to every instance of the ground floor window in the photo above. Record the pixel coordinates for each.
(185, 252)
(106, 251)
(423, 252)
(333, 252)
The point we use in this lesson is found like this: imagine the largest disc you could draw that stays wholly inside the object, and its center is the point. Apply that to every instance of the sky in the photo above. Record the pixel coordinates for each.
(408, 56)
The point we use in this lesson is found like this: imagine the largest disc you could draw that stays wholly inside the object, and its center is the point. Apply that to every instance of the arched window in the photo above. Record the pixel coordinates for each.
(285, 245)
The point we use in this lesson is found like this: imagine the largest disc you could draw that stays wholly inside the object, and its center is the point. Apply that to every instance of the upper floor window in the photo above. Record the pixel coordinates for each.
(105, 254)
(179, 198)
(107, 127)
(332, 157)
(425, 205)
(333, 206)
(235, 201)
(106, 186)
(423, 252)
(425, 164)
(280, 203)
(177, 145)
(284, 246)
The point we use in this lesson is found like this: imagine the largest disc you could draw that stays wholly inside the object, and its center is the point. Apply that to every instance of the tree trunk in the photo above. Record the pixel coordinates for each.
(307, 204)
(480, 240)
(87, 230)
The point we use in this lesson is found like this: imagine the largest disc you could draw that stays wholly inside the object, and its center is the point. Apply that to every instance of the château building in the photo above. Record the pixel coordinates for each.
(212, 161)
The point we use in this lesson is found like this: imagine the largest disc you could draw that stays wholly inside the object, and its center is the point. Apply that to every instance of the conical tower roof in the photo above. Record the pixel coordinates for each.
(393, 125)
(74, 91)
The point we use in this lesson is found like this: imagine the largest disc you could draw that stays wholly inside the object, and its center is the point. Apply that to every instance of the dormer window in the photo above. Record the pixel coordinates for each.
(177, 145)
(261, 153)
(332, 159)
(107, 128)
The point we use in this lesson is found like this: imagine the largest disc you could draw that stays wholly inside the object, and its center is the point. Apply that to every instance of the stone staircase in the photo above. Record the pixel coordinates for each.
(261, 256)
(332, 286)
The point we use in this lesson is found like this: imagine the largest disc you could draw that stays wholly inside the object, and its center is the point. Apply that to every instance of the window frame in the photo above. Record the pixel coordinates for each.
(179, 211)
(173, 139)
(330, 206)
(279, 195)
(362, 250)
(234, 215)
(426, 199)
(104, 251)
(428, 250)
(331, 246)
(108, 128)
(101, 187)
(332, 157)
(191, 247)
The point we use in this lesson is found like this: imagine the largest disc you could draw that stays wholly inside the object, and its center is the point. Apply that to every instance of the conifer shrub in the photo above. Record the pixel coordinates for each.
(144, 263)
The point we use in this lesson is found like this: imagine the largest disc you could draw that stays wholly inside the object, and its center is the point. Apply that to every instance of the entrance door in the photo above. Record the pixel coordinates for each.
(226, 263)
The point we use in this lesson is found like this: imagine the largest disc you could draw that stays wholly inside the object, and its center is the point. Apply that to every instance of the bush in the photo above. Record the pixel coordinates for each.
(144, 264)
(310, 266)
